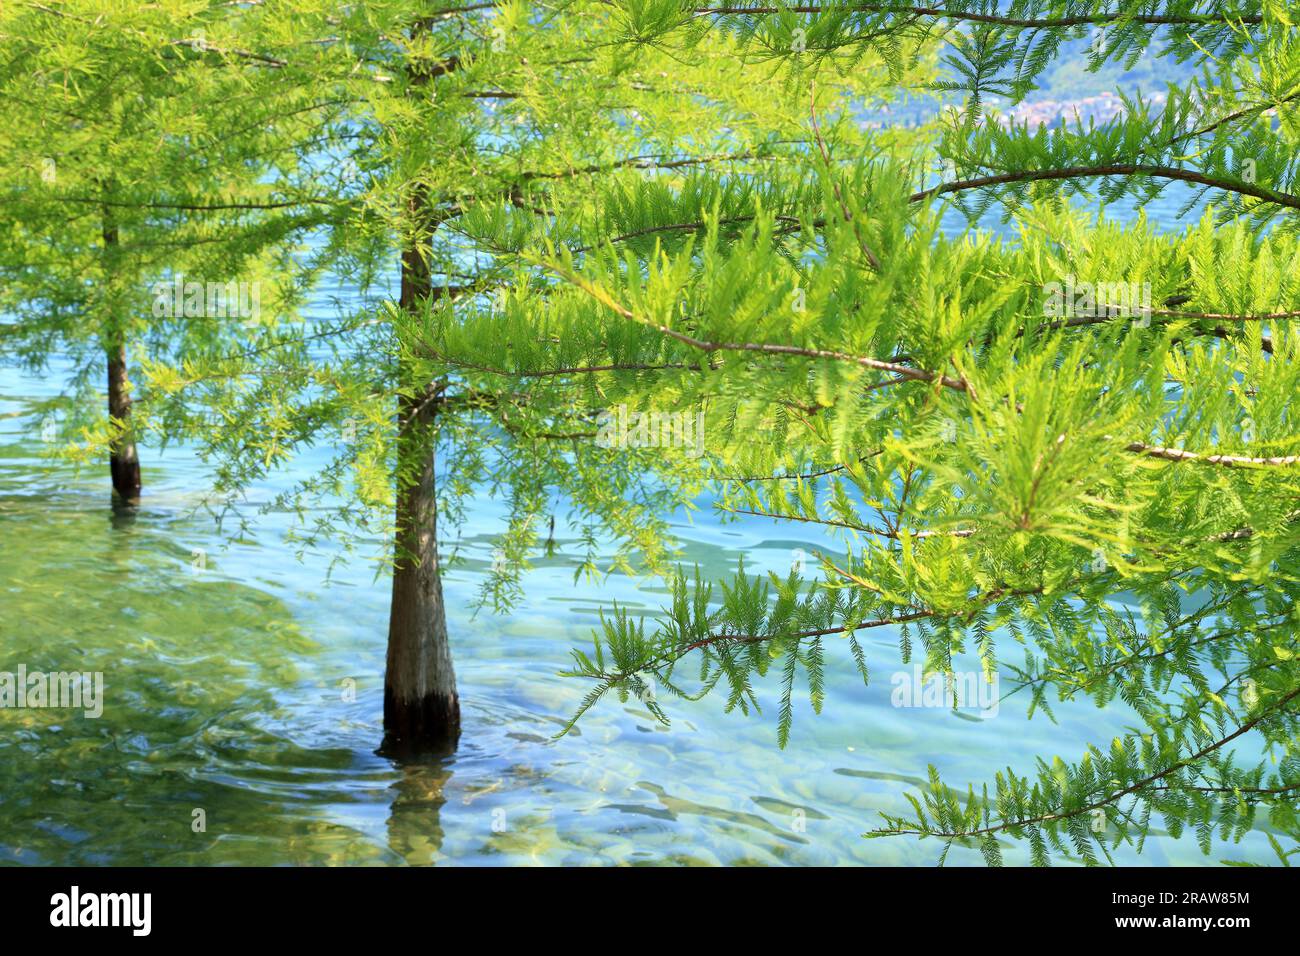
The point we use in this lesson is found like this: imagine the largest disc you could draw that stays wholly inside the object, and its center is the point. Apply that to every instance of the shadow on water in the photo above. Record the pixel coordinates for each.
(414, 826)
(124, 512)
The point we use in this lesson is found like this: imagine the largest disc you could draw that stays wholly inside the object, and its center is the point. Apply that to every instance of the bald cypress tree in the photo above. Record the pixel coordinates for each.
(149, 202)
(470, 134)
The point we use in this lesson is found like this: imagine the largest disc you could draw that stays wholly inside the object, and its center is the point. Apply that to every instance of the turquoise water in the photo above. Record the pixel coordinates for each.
(226, 700)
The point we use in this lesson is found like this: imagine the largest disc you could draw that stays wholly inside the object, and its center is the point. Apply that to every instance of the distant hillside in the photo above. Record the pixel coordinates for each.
(1068, 76)
(1066, 89)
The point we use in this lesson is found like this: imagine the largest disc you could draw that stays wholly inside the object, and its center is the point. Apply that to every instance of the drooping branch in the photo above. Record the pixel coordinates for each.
(904, 372)
(968, 16)
(1105, 801)
(1172, 173)
(1114, 169)
(1228, 461)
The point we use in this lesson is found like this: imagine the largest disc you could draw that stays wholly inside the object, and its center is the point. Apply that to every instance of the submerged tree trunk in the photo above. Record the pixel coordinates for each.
(421, 708)
(123, 462)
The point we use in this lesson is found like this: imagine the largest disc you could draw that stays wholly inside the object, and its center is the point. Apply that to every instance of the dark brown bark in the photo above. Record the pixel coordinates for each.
(123, 461)
(421, 707)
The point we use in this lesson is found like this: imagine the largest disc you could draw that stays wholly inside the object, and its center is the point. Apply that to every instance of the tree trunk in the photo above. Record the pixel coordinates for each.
(123, 462)
(421, 708)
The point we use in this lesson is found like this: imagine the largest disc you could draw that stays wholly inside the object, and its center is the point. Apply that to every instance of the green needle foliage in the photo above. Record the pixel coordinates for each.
(1069, 455)
(533, 125)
